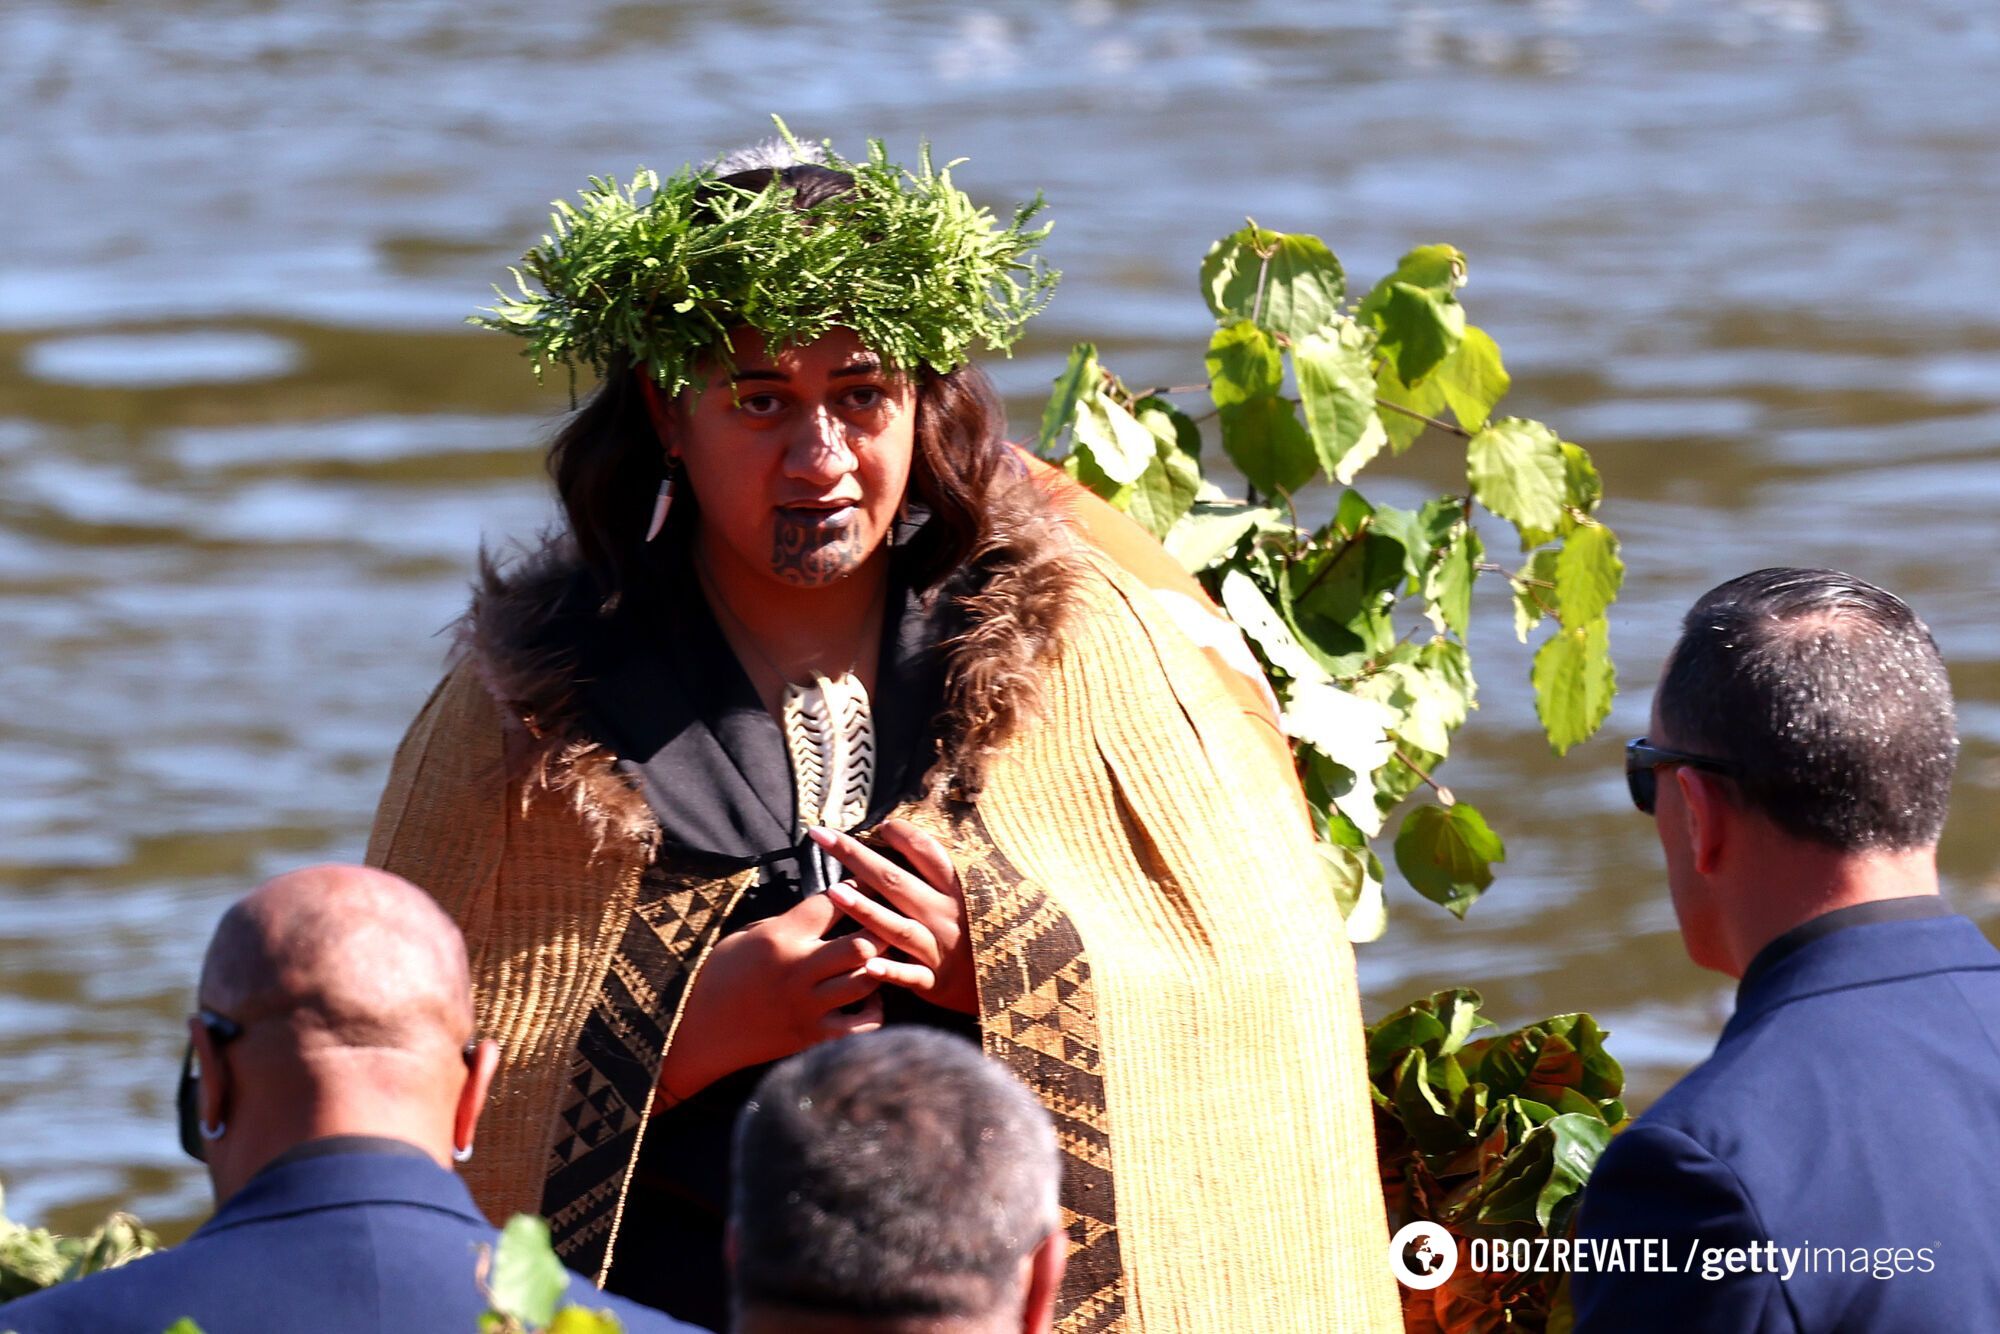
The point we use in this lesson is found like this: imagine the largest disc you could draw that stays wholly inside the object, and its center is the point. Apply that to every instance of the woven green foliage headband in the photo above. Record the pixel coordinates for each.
(645, 272)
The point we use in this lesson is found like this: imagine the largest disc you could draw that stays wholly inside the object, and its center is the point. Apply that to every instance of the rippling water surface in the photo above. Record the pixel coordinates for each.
(1743, 249)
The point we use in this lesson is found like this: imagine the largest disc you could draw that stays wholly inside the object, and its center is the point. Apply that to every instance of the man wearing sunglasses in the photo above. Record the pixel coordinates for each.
(332, 1078)
(1832, 1166)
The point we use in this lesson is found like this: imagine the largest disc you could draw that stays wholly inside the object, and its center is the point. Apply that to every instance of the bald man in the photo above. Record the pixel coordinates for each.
(338, 1079)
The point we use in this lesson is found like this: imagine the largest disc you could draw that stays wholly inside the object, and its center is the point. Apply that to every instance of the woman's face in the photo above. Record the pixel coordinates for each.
(799, 460)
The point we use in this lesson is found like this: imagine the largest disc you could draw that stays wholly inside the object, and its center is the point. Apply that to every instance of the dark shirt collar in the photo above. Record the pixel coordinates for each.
(325, 1145)
(345, 1170)
(1912, 909)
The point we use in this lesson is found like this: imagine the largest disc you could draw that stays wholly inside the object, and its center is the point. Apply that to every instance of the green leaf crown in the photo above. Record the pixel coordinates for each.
(657, 273)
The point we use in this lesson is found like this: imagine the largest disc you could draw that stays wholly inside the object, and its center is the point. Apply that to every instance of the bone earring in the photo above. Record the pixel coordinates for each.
(214, 1133)
(661, 502)
(461, 1153)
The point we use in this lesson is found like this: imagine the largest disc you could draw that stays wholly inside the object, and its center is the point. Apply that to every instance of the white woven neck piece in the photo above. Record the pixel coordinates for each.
(829, 731)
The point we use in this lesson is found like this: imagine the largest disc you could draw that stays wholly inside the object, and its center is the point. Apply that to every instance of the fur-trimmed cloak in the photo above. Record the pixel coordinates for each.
(1157, 957)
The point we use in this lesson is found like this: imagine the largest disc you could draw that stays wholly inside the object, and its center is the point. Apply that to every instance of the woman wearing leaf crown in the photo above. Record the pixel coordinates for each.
(816, 717)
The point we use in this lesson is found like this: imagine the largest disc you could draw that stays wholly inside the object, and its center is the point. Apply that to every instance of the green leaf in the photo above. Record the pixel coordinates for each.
(1081, 465)
(1339, 593)
(527, 1278)
(1260, 431)
(1256, 617)
(1473, 380)
(1346, 797)
(1210, 531)
(1588, 573)
(1429, 705)
(1424, 1115)
(1337, 391)
(1121, 448)
(1446, 853)
(1515, 468)
(1440, 268)
(119, 1240)
(1425, 398)
(1169, 425)
(1164, 491)
(1459, 1009)
(1539, 1180)
(1355, 892)
(1451, 663)
(1419, 533)
(1264, 439)
(1300, 282)
(1440, 1023)
(1392, 1039)
(1419, 329)
(1593, 1071)
(1167, 488)
(1574, 682)
(1351, 731)
(1448, 583)
(1399, 778)
(1534, 592)
(1584, 490)
(185, 1325)
(1080, 376)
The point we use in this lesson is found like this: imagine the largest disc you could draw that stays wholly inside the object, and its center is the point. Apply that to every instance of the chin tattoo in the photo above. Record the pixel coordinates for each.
(809, 555)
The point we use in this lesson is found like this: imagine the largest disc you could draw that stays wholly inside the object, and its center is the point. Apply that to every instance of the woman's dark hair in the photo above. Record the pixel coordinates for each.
(607, 463)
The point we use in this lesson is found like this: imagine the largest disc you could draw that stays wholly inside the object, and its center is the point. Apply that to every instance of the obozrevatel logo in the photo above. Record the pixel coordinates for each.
(1422, 1255)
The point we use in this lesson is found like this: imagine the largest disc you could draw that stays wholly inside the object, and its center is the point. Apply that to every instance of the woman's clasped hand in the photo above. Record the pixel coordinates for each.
(781, 985)
(924, 916)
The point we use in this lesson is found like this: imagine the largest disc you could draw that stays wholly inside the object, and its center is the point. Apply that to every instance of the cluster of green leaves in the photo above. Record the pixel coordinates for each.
(523, 1280)
(35, 1258)
(1489, 1136)
(657, 273)
(1361, 622)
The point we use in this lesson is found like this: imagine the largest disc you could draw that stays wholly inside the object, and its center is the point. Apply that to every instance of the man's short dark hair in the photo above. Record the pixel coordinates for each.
(1828, 695)
(895, 1174)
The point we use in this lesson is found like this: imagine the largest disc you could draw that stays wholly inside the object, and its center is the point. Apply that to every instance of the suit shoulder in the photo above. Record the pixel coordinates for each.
(135, 1297)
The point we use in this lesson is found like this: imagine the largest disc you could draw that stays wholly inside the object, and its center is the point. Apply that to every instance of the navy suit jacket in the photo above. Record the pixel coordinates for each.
(363, 1242)
(1852, 1105)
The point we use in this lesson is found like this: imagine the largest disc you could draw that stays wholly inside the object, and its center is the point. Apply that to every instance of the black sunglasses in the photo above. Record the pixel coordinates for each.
(1644, 760)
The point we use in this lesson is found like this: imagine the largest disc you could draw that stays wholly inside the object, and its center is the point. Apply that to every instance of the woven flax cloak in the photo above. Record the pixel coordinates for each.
(1157, 958)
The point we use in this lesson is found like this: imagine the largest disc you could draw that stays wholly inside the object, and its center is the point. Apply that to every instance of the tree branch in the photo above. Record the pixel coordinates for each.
(1488, 567)
(1444, 793)
(1359, 530)
(1412, 413)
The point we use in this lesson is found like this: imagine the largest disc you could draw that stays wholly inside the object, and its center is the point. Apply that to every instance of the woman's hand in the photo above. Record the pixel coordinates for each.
(924, 917)
(776, 988)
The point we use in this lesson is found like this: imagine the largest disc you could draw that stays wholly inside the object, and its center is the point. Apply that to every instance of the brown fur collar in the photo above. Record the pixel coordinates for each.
(1014, 606)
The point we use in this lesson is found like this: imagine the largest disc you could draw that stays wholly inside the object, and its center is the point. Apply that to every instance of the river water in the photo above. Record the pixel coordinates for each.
(1742, 249)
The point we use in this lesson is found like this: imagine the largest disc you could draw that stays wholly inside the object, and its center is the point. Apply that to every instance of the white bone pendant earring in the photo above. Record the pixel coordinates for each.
(662, 502)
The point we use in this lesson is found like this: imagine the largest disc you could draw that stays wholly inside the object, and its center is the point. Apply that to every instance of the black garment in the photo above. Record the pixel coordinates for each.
(661, 687)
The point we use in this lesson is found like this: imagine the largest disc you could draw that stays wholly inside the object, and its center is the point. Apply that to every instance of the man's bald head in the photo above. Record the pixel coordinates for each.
(352, 957)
